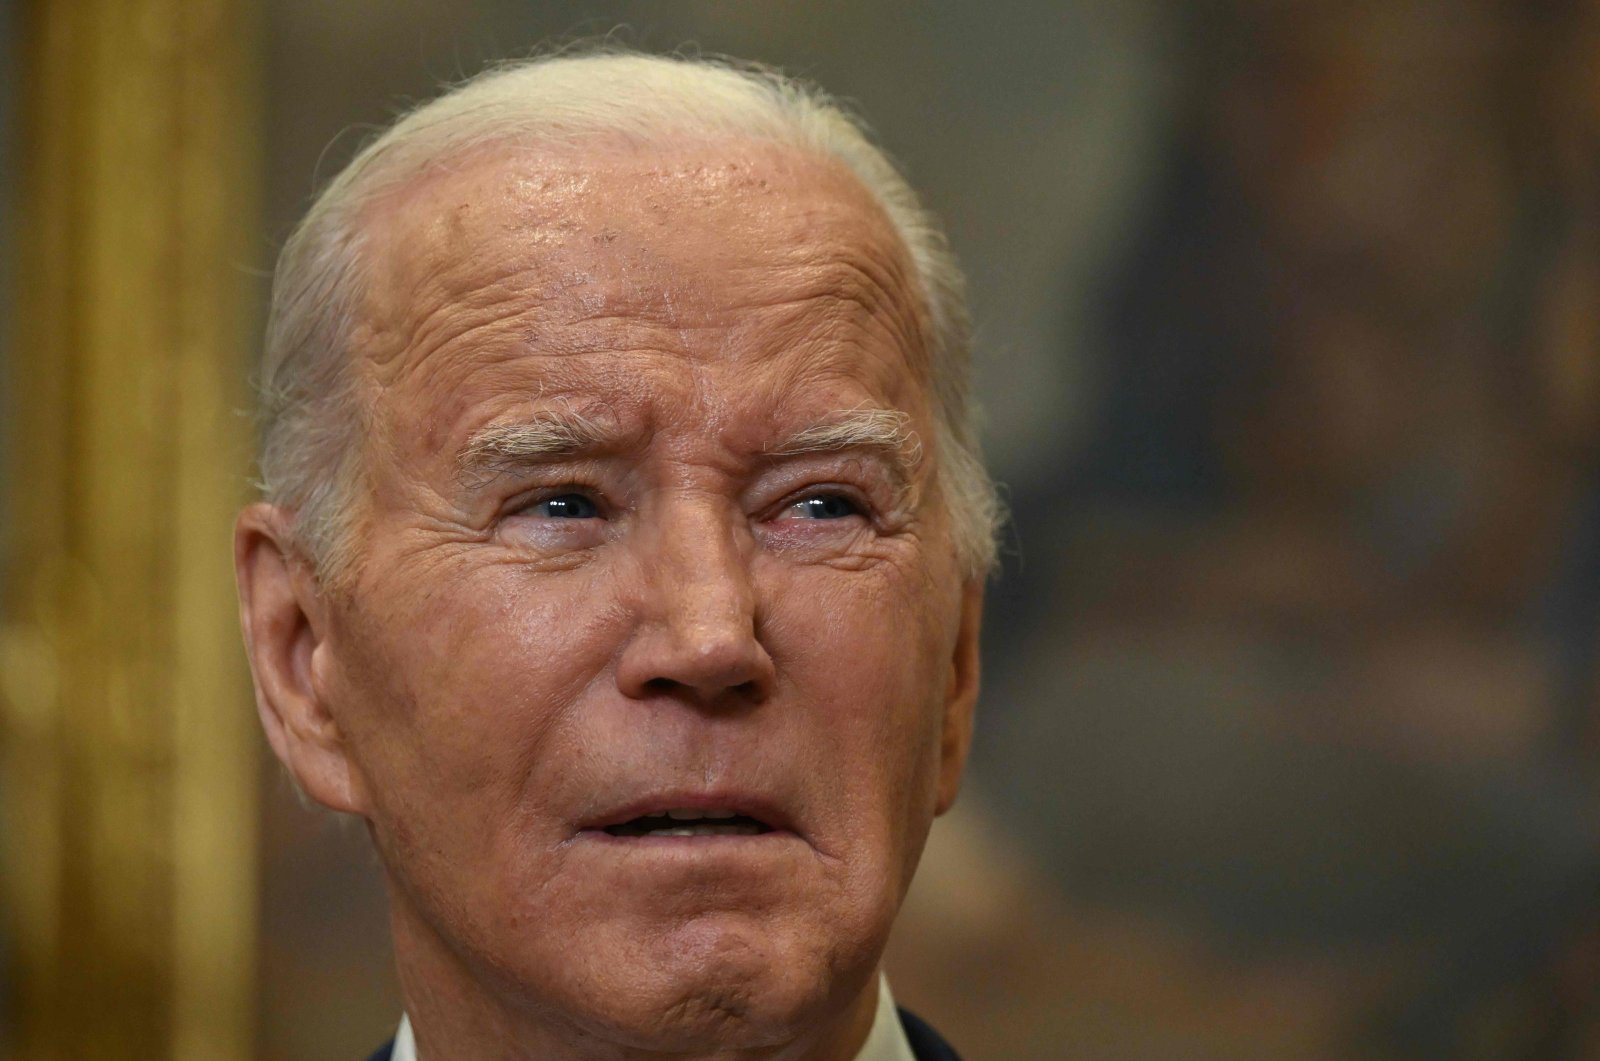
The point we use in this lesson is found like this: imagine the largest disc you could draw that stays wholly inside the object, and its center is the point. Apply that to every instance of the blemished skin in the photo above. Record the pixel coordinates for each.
(681, 612)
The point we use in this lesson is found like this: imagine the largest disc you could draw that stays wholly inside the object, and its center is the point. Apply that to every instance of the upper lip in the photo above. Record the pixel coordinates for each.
(762, 808)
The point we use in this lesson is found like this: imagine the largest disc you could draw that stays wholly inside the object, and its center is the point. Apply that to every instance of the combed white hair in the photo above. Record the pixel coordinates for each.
(311, 415)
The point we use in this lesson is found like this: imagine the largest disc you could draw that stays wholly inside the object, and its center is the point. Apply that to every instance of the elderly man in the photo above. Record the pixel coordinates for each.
(621, 558)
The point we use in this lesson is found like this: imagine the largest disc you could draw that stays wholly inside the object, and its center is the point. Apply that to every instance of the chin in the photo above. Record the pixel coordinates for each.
(714, 983)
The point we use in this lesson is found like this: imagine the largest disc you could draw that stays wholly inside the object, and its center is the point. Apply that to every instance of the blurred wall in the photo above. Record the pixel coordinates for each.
(8, 103)
(8, 95)
(127, 839)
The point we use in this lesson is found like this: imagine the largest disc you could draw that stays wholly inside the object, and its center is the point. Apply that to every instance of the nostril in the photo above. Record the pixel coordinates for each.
(752, 690)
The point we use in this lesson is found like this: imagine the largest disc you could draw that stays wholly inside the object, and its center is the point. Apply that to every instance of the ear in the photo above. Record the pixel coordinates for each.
(961, 698)
(284, 615)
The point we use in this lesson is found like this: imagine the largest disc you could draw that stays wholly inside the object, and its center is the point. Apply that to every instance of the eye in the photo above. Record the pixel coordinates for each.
(565, 506)
(825, 506)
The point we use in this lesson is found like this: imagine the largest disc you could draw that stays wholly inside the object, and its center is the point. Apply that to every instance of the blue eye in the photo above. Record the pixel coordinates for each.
(826, 506)
(567, 506)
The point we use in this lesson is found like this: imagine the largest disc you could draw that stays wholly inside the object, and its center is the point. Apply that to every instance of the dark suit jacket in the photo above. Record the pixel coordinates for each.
(925, 1042)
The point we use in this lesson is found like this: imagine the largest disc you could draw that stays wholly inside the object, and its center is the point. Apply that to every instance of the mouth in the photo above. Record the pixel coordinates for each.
(688, 821)
(692, 815)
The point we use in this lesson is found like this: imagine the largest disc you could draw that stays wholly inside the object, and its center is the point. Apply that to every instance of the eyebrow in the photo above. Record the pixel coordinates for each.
(554, 435)
(547, 436)
(887, 431)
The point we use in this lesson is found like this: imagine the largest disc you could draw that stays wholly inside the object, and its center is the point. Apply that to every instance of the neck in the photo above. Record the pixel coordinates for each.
(458, 1012)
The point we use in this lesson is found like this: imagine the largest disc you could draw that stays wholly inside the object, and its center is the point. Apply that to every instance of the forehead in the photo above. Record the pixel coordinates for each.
(707, 253)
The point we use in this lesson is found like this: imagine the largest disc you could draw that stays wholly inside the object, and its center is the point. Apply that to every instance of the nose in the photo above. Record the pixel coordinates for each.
(696, 630)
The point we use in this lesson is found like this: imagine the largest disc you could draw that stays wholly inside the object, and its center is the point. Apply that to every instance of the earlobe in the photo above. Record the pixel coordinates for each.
(961, 698)
(282, 611)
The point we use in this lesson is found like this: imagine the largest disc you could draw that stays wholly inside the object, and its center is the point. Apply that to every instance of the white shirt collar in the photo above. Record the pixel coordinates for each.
(885, 1042)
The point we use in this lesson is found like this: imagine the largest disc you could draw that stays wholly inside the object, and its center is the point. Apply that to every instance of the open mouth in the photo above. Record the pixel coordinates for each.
(690, 822)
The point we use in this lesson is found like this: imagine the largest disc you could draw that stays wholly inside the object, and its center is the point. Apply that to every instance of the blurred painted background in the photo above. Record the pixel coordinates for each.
(1289, 329)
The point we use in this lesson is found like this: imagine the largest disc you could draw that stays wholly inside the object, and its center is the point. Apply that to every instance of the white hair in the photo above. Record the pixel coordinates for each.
(310, 411)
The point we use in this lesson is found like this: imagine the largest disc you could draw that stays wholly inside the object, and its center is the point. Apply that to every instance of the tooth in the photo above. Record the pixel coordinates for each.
(687, 815)
(719, 829)
(719, 814)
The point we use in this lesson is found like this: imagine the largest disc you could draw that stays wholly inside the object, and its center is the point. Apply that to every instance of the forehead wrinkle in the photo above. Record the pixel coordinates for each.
(847, 309)
(466, 238)
(614, 281)
(455, 313)
(494, 369)
(538, 213)
(847, 250)
(830, 362)
(886, 302)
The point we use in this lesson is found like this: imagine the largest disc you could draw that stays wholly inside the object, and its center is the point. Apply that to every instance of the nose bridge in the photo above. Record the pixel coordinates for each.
(702, 572)
(697, 627)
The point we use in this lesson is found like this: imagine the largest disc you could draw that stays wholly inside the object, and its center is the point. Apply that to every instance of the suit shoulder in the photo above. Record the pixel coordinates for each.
(926, 1043)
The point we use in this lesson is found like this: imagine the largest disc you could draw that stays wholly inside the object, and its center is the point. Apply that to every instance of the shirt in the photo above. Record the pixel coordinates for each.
(885, 1042)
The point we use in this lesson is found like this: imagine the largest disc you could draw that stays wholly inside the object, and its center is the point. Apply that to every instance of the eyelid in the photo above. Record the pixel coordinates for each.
(868, 471)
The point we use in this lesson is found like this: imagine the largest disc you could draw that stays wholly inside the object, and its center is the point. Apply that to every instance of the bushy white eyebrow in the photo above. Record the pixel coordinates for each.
(886, 432)
(864, 428)
(548, 435)
(561, 433)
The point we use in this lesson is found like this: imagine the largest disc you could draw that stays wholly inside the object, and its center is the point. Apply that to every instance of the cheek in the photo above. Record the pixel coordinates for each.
(463, 688)
(865, 652)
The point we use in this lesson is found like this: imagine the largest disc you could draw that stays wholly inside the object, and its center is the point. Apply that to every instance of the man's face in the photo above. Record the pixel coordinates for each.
(650, 526)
